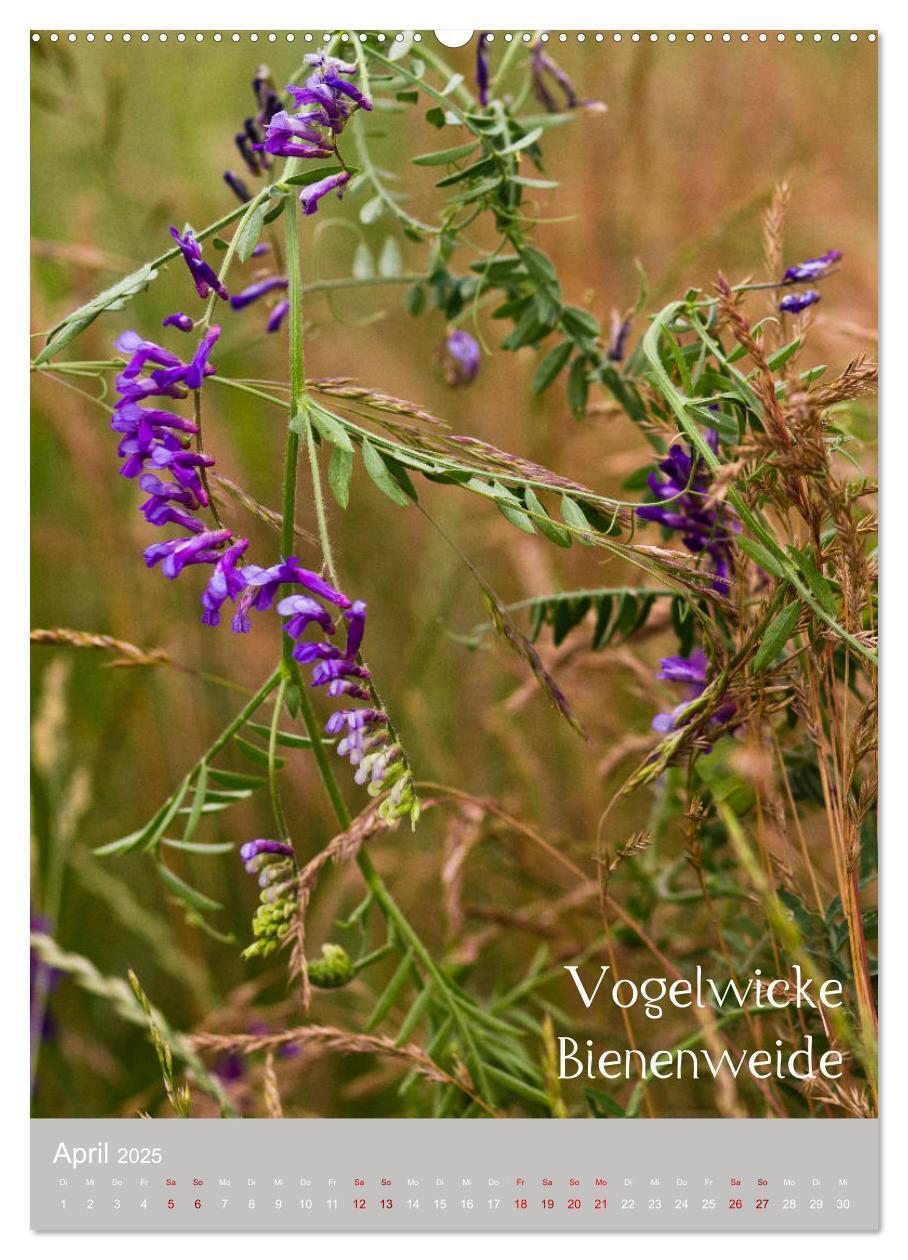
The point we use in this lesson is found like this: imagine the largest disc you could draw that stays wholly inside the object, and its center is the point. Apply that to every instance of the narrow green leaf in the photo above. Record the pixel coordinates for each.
(393, 988)
(442, 156)
(550, 366)
(816, 580)
(198, 800)
(778, 632)
(523, 143)
(578, 388)
(186, 893)
(197, 846)
(761, 556)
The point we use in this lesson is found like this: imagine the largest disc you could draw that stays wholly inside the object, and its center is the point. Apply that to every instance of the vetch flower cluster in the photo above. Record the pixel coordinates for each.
(690, 672)
(683, 505)
(249, 140)
(154, 445)
(365, 735)
(811, 269)
(325, 104)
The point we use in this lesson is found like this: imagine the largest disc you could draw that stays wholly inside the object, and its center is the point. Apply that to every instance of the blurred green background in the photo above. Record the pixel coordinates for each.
(127, 139)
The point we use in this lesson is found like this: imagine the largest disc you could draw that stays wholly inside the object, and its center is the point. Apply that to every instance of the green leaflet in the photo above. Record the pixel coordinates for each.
(340, 471)
(550, 366)
(388, 476)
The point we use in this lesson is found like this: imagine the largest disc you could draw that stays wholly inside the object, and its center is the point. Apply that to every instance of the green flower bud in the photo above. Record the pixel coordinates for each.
(333, 970)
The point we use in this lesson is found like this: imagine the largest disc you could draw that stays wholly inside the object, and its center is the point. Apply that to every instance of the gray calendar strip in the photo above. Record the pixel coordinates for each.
(416, 1175)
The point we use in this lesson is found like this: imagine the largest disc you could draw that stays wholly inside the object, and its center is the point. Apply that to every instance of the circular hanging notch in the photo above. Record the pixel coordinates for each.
(453, 39)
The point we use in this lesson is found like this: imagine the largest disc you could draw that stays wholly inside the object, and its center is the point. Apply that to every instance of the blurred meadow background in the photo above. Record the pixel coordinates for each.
(128, 138)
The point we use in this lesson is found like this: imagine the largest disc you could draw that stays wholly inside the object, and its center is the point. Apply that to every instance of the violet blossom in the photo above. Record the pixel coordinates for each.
(237, 186)
(254, 291)
(792, 303)
(462, 357)
(203, 275)
(313, 193)
(277, 317)
(482, 69)
(260, 289)
(683, 495)
(691, 673)
(179, 320)
(813, 268)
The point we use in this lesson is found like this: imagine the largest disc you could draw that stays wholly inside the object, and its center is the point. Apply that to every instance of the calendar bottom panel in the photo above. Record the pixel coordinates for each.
(297, 1175)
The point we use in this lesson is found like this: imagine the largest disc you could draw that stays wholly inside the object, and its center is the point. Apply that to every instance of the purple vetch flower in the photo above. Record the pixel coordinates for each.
(257, 290)
(313, 193)
(682, 505)
(185, 323)
(277, 316)
(461, 357)
(362, 728)
(190, 374)
(792, 303)
(177, 553)
(813, 268)
(203, 275)
(164, 492)
(482, 68)
(290, 136)
(226, 582)
(267, 581)
(237, 186)
(691, 672)
(620, 331)
(303, 611)
(184, 467)
(255, 848)
(139, 352)
(549, 81)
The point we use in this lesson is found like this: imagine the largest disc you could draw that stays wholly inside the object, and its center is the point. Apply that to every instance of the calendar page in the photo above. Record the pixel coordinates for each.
(454, 605)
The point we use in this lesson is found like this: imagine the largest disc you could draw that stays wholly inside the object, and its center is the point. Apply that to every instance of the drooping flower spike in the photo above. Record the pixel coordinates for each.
(160, 439)
(203, 276)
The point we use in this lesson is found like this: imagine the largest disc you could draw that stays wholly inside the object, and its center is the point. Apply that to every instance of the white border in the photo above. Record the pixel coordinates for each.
(166, 14)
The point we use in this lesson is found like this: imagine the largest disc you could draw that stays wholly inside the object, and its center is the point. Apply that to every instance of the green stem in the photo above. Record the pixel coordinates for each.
(289, 668)
(276, 806)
